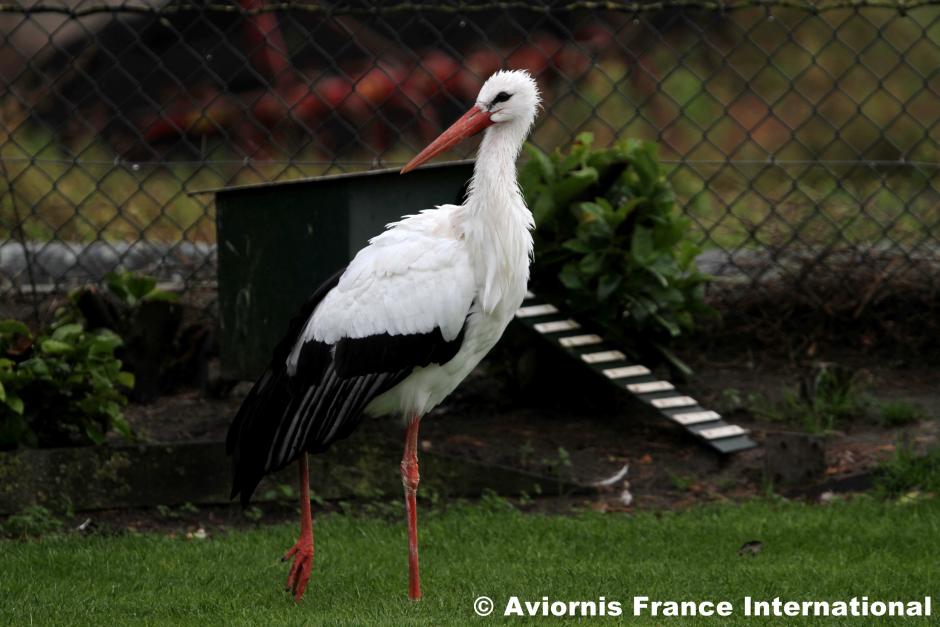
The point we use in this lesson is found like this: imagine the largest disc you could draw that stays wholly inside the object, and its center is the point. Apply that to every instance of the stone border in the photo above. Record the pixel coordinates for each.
(146, 475)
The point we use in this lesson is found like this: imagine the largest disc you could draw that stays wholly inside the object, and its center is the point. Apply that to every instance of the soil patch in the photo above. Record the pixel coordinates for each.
(588, 437)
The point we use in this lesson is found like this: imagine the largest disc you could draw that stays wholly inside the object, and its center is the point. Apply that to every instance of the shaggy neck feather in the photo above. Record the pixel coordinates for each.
(496, 220)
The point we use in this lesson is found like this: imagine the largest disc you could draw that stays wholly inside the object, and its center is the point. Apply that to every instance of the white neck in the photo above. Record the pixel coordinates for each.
(494, 173)
(496, 222)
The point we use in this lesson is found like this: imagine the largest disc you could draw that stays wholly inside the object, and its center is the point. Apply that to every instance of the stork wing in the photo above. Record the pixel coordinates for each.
(402, 303)
(412, 279)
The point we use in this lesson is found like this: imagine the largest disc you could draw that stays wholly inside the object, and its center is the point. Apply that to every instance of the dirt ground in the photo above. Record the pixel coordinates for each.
(587, 436)
(575, 430)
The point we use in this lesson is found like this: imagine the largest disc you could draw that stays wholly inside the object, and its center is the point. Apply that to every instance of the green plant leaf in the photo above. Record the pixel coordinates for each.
(37, 366)
(116, 283)
(543, 208)
(578, 246)
(112, 410)
(585, 139)
(14, 328)
(667, 324)
(121, 426)
(542, 161)
(573, 185)
(607, 285)
(673, 359)
(570, 277)
(56, 347)
(126, 379)
(642, 247)
(104, 341)
(627, 207)
(659, 277)
(591, 263)
(646, 166)
(595, 230)
(67, 331)
(94, 433)
(163, 296)
(530, 176)
(589, 211)
(14, 402)
(139, 286)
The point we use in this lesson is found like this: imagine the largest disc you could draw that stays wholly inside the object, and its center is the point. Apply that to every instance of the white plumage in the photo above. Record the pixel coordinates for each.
(443, 268)
(409, 318)
(412, 278)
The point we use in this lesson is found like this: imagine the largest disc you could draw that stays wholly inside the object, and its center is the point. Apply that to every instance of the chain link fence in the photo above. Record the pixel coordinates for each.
(802, 138)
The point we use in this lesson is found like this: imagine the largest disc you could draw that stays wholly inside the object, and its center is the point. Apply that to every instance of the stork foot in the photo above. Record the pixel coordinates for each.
(302, 554)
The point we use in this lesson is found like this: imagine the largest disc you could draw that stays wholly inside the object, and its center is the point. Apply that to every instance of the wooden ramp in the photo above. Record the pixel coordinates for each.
(613, 366)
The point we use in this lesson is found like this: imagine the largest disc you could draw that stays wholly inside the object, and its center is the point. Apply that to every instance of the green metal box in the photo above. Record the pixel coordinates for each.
(277, 242)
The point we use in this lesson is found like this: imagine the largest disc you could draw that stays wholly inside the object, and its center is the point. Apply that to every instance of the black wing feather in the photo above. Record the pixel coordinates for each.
(393, 352)
(322, 402)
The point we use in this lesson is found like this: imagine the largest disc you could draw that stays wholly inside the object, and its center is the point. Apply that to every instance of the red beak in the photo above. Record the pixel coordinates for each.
(471, 123)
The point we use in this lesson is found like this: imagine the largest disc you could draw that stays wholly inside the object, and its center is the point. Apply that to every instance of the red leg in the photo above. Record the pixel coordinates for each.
(302, 551)
(410, 479)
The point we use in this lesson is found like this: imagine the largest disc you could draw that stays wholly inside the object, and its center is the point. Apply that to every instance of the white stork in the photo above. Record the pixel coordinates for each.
(400, 327)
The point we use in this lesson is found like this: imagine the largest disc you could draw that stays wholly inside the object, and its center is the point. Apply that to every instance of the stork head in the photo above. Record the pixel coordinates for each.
(508, 99)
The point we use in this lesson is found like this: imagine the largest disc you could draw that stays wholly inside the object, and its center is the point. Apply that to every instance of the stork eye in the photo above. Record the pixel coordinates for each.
(501, 97)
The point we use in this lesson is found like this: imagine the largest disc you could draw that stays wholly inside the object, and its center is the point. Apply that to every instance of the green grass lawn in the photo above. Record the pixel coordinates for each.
(885, 550)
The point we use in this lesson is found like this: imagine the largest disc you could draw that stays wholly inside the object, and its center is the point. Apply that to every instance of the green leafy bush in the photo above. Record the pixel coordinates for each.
(62, 388)
(829, 396)
(907, 471)
(147, 318)
(833, 396)
(899, 413)
(611, 243)
(133, 289)
(32, 522)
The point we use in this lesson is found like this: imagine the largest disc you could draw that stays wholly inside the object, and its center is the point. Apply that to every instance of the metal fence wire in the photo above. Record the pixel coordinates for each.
(801, 137)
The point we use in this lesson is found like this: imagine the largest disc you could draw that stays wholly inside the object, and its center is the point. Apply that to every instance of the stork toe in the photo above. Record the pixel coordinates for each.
(302, 566)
